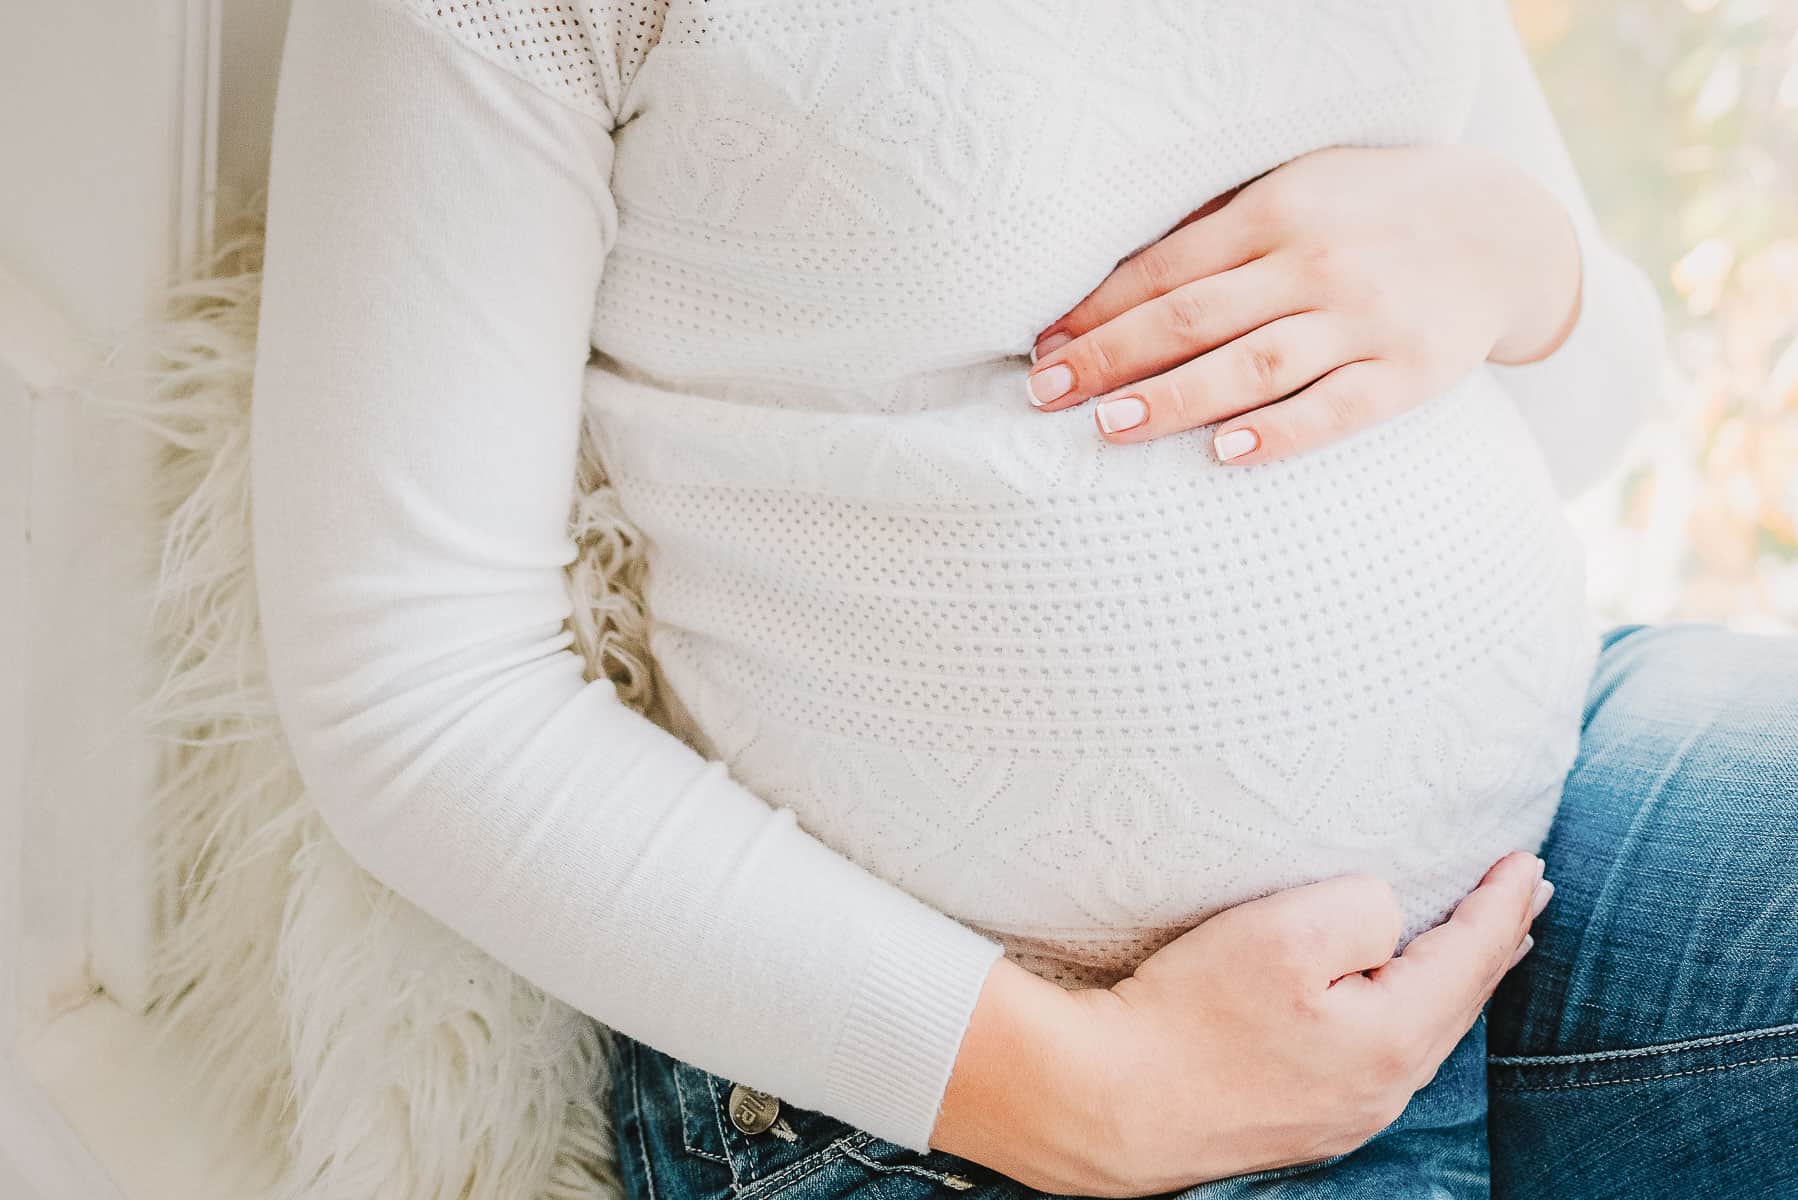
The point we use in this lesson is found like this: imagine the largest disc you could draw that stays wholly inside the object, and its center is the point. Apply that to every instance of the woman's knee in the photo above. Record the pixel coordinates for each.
(1694, 729)
(1715, 698)
(1675, 853)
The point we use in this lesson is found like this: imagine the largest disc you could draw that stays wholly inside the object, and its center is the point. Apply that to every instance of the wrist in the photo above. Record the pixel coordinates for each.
(1025, 1096)
(1549, 277)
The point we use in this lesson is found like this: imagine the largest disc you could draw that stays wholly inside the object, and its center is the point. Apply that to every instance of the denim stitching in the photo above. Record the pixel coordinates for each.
(637, 1115)
(680, 1095)
(792, 1172)
(1596, 1083)
(711, 1087)
(909, 1168)
(810, 1164)
(1727, 1039)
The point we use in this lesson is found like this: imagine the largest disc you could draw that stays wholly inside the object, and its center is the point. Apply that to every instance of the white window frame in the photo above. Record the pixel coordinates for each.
(113, 119)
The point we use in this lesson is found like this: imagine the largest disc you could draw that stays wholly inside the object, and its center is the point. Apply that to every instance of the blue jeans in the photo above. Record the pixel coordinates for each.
(1647, 1048)
(1649, 1044)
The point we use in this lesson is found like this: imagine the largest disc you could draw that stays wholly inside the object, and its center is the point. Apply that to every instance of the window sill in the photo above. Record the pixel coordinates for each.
(95, 1064)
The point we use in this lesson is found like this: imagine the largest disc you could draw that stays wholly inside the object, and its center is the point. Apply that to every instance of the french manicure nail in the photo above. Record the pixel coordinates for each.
(1522, 949)
(1050, 344)
(1235, 443)
(1124, 412)
(1544, 892)
(1051, 383)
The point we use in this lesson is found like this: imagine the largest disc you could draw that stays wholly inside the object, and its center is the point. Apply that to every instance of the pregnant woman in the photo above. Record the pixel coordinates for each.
(1100, 466)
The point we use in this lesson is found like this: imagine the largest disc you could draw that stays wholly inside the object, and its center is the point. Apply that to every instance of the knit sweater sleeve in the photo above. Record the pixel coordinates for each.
(438, 223)
(1588, 397)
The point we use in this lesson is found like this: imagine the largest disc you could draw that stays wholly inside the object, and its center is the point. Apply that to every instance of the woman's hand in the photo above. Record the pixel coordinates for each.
(1279, 1031)
(1340, 289)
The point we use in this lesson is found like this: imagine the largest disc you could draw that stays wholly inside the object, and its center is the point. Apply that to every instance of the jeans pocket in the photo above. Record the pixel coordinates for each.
(1666, 1061)
(769, 1148)
(1711, 1117)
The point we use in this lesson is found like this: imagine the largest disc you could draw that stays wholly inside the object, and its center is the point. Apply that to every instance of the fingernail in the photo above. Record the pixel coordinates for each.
(1541, 866)
(1522, 949)
(1125, 412)
(1544, 892)
(1050, 344)
(1051, 383)
(1235, 443)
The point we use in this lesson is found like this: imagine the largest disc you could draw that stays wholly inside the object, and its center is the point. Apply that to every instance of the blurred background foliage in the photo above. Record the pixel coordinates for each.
(1683, 118)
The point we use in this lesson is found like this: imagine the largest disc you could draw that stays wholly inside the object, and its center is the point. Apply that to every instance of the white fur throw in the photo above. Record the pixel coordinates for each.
(355, 1046)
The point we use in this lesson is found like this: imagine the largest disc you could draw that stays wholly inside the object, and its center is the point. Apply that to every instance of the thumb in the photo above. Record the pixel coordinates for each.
(1446, 974)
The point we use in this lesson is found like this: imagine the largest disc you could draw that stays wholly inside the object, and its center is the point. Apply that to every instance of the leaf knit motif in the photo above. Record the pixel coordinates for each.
(1077, 695)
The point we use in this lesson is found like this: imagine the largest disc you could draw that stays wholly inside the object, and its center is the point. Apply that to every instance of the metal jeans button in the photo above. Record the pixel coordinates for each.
(752, 1111)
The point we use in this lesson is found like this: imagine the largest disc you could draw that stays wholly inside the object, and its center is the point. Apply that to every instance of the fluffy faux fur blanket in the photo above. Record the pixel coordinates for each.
(355, 1046)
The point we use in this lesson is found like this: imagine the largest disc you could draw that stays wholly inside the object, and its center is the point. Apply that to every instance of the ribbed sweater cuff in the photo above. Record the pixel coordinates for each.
(904, 1027)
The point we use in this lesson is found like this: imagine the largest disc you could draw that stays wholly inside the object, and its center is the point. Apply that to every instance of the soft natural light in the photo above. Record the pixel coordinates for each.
(1684, 121)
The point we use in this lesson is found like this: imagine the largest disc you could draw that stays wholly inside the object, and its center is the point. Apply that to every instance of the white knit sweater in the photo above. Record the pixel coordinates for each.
(958, 676)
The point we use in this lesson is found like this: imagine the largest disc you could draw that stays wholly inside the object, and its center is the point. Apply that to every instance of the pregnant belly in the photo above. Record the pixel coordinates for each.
(1082, 695)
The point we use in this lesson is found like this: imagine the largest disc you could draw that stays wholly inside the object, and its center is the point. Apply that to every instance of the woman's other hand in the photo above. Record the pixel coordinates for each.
(1280, 1031)
(1338, 290)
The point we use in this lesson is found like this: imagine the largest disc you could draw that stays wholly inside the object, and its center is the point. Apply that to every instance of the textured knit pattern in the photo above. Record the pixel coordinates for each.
(951, 675)
(1083, 695)
(582, 54)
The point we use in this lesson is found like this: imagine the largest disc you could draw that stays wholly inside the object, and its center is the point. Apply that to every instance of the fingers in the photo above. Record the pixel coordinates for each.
(1326, 930)
(1205, 245)
(1163, 332)
(1353, 397)
(1446, 974)
(1253, 370)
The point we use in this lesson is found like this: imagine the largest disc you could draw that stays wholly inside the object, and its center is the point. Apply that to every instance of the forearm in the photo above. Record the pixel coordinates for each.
(415, 433)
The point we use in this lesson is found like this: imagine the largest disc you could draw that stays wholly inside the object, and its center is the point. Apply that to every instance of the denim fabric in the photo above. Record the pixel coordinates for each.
(1647, 1048)
(676, 1142)
(1649, 1045)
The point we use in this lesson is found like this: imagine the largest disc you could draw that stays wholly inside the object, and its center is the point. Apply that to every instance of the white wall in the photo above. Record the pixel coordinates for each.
(92, 118)
(109, 123)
